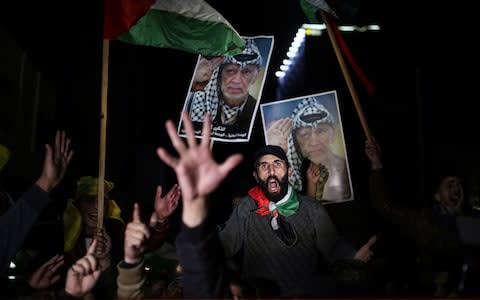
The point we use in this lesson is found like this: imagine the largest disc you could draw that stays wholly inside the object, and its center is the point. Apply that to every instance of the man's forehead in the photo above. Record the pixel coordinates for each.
(269, 158)
(242, 66)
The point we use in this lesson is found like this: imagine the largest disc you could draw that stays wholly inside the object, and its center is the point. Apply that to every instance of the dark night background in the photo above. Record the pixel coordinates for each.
(420, 63)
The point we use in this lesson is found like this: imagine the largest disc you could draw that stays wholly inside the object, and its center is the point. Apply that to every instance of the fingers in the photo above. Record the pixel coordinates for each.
(153, 219)
(104, 244)
(175, 199)
(207, 126)
(52, 260)
(372, 241)
(136, 228)
(216, 61)
(174, 192)
(168, 159)
(285, 125)
(59, 136)
(136, 213)
(158, 194)
(55, 279)
(187, 123)
(92, 247)
(48, 151)
(86, 264)
(54, 263)
(62, 147)
(231, 162)
(173, 196)
(135, 236)
(174, 138)
(68, 153)
(136, 233)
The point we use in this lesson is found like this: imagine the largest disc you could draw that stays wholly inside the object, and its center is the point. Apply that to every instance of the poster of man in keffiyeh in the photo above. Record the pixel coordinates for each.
(229, 88)
(310, 131)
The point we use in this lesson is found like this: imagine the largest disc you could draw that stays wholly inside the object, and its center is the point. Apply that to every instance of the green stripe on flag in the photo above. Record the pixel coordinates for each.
(171, 30)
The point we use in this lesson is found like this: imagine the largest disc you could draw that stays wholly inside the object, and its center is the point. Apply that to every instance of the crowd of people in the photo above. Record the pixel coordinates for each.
(279, 242)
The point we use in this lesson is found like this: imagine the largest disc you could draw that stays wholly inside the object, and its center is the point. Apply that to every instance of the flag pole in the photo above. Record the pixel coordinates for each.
(346, 75)
(103, 134)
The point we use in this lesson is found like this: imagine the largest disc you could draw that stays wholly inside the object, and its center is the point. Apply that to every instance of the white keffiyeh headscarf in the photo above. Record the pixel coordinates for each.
(301, 117)
(208, 99)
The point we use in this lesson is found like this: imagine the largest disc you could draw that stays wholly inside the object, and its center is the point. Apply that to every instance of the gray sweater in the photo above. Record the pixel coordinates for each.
(295, 270)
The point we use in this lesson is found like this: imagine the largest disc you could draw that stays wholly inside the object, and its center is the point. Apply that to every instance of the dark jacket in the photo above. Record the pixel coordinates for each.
(16, 223)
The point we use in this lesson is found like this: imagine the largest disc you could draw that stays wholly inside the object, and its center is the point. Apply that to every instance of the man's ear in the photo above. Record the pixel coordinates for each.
(289, 171)
(255, 176)
(437, 196)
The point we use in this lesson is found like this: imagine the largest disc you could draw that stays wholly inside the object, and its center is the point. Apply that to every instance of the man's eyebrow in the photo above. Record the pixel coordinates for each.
(266, 162)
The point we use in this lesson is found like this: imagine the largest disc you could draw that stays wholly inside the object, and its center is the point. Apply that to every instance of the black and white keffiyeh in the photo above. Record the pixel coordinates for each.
(307, 113)
(208, 99)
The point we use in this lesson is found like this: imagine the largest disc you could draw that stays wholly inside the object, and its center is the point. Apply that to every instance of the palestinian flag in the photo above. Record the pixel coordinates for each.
(188, 25)
(311, 9)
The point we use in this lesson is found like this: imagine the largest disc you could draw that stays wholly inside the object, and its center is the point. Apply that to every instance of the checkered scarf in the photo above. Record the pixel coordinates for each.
(207, 100)
(306, 107)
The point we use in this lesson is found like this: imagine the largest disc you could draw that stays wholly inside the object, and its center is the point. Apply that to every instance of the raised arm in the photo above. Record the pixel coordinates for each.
(131, 275)
(55, 163)
(159, 220)
(16, 222)
(198, 247)
(84, 274)
(198, 174)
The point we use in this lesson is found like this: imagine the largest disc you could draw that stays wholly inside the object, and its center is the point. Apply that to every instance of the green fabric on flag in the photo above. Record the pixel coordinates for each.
(209, 35)
(290, 206)
(311, 7)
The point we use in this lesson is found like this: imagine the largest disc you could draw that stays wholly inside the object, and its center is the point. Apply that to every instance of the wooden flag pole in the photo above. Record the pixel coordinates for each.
(103, 135)
(346, 75)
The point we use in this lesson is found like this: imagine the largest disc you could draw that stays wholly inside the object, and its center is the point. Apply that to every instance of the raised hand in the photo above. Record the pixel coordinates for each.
(47, 274)
(313, 176)
(103, 249)
(204, 71)
(374, 153)
(277, 133)
(84, 274)
(313, 173)
(56, 162)
(198, 174)
(136, 234)
(164, 206)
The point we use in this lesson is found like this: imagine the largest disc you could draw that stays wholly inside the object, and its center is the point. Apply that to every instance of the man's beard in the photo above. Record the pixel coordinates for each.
(275, 197)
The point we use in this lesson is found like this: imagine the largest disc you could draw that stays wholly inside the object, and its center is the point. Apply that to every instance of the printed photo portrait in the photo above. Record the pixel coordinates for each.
(309, 129)
(229, 88)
